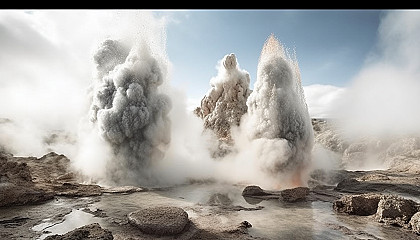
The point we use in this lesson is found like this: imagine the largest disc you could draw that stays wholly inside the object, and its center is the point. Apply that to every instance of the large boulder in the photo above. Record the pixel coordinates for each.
(295, 194)
(396, 210)
(165, 220)
(219, 199)
(415, 223)
(361, 204)
(253, 190)
(16, 186)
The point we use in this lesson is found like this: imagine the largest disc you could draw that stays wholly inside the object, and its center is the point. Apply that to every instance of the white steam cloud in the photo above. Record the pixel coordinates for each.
(106, 88)
(382, 99)
(129, 110)
(278, 121)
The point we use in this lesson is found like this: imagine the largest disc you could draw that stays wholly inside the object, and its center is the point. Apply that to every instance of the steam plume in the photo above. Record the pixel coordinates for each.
(128, 109)
(278, 121)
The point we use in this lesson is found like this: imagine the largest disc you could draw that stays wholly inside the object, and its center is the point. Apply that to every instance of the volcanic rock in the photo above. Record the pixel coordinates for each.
(219, 199)
(415, 223)
(253, 190)
(352, 185)
(295, 194)
(16, 186)
(164, 220)
(396, 210)
(77, 190)
(361, 204)
(89, 232)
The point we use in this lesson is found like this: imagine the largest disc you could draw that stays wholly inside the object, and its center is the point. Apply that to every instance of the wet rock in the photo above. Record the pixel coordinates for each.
(164, 220)
(97, 213)
(219, 199)
(241, 228)
(332, 177)
(415, 223)
(253, 200)
(123, 189)
(13, 222)
(89, 232)
(362, 204)
(70, 176)
(12, 195)
(374, 177)
(16, 186)
(396, 210)
(295, 194)
(323, 193)
(49, 168)
(254, 190)
(245, 224)
(77, 190)
(352, 185)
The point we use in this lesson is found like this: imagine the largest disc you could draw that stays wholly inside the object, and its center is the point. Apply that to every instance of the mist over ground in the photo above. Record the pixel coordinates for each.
(99, 91)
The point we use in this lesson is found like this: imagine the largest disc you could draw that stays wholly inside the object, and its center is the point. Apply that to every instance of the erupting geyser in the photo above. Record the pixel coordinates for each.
(225, 103)
(128, 109)
(278, 121)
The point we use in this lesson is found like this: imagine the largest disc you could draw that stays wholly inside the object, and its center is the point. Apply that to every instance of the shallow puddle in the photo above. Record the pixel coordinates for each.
(273, 219)
(77, 218)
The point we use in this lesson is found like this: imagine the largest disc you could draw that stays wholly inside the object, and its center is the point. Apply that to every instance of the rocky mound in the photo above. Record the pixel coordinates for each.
(224, 104)
(360, 204)
(388, 209)
(253, 190)
(88, 232)
(16, 185)
(295, 194)
(396, 210)
(415, 223)
(160, 221)
(29, 180)
(400, 153)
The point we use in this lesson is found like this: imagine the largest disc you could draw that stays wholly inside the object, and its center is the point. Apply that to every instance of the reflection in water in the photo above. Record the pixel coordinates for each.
(253, 200)
(273, 219)
(75, 219)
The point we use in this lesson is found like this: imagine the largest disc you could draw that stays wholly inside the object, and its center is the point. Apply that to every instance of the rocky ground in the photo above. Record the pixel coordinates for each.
(389, 197)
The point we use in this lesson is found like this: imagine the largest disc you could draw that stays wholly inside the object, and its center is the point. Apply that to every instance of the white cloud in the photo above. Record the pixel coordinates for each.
(46, 64)
(383, 98)
(321, 98)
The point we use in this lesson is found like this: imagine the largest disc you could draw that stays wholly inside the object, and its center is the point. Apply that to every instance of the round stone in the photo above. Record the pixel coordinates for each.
(164, 220)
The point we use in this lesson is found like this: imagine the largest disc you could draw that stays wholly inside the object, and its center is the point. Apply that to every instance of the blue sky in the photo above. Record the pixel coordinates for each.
(330, 45)
(362, 66)
(47, 55)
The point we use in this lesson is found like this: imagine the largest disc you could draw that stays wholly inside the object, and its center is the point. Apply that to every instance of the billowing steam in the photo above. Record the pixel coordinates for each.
(278, 121)
(382, 98)
(138, 130)
(130, 112)
(225, 103)
(268, 129)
